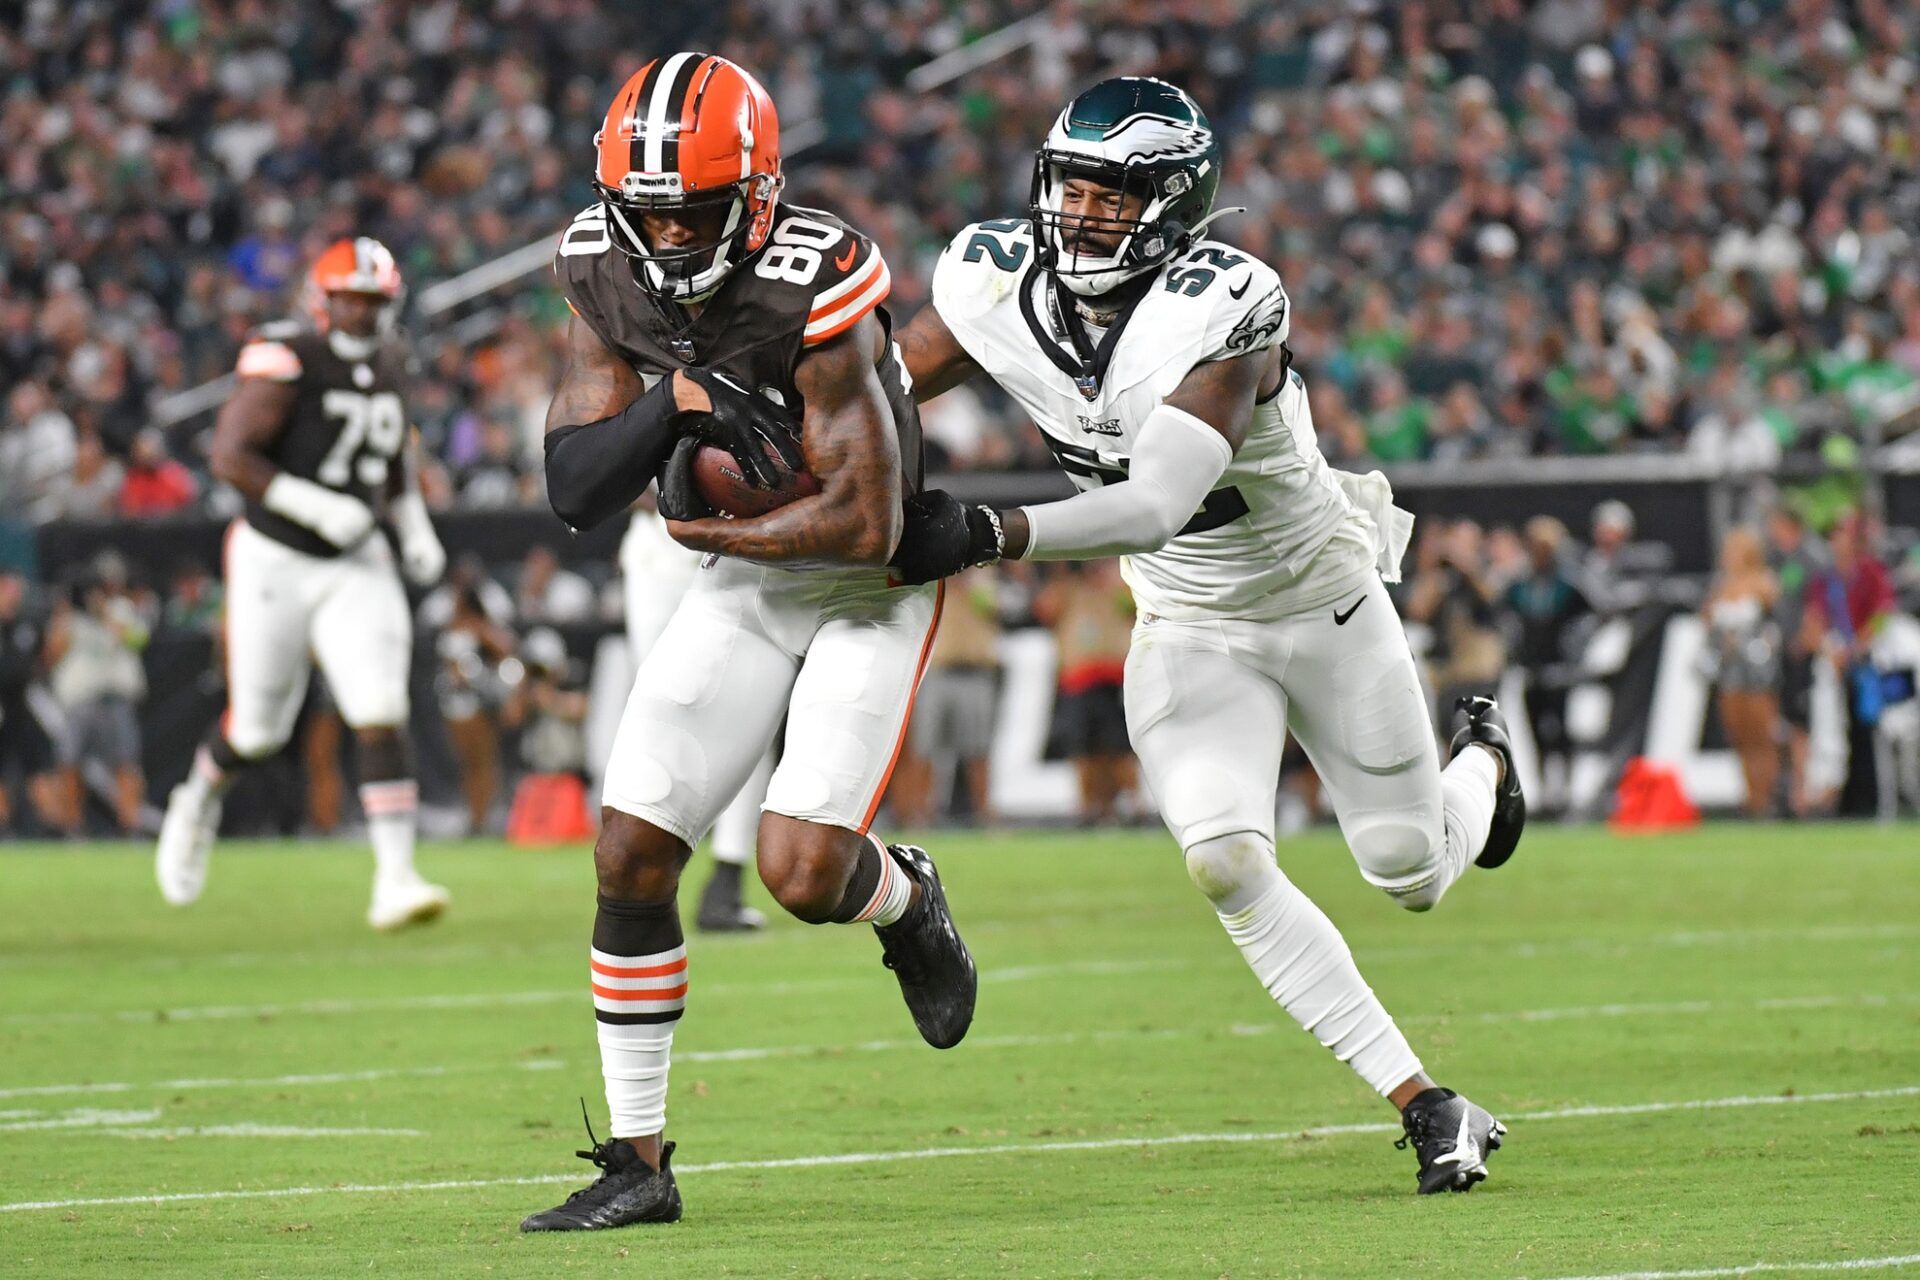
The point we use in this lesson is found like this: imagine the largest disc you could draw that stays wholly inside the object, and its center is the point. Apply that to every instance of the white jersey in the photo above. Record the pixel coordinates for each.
(1280, 534)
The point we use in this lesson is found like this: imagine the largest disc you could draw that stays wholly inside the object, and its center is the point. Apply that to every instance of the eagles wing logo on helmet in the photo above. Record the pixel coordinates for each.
(1156, 137)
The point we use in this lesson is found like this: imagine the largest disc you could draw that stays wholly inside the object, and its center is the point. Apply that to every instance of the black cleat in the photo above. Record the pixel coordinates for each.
(722, 909)
(1479, 720)
(924, 950)
(1452, 1137)
(628, 1191)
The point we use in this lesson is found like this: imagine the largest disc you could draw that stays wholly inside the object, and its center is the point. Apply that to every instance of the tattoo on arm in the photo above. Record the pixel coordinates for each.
(934, 358)
(249, 422)
(596, 382)
(851, 447)
(1221, 393)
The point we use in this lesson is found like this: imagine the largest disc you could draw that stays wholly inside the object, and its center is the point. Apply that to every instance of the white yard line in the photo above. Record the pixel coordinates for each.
(89, 1122)
(466, 953)
(256, 1131)
(82, 1118)
(1680, 939)
(271, 1082)
(1142, 1141)
(1763, 1268)
(757, 1053)
(496, 999)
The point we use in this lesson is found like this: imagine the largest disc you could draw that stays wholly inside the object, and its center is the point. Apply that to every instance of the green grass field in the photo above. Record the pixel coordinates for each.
(1707, 1048)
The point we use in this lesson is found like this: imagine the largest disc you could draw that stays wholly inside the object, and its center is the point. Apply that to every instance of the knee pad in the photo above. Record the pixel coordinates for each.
(1226, 867)
(1400, 857)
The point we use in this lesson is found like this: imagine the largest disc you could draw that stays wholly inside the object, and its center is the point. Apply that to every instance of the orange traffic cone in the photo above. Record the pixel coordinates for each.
(549, 809)
(1650, 798)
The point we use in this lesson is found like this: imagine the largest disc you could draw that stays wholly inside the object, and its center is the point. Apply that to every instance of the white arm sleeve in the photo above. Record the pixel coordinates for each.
(1177, 460)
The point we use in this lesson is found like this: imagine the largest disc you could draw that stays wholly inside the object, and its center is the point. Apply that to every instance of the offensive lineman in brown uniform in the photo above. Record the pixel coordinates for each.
(707, 312)
(315, 439)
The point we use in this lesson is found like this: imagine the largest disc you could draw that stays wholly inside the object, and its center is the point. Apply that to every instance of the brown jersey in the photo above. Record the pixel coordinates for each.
(812, 280)
(345, 429)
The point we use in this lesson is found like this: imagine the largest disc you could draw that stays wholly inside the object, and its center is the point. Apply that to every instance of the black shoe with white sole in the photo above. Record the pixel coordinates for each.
(1479, 720)
(722, 907)
(1452, 1137)
(628, 1190)
(924, 950)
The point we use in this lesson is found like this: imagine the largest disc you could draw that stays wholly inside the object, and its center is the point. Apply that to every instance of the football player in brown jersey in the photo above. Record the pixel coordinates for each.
(315, 440)
(706, 311)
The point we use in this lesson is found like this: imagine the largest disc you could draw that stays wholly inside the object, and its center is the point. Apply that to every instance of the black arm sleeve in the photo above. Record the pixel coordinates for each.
(596, 470)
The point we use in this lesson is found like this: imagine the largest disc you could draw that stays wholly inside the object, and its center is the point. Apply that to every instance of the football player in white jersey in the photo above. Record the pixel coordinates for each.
(1154, 362)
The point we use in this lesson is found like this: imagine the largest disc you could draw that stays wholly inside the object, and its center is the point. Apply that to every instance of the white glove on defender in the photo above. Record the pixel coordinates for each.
(339, 518)
(421, 555)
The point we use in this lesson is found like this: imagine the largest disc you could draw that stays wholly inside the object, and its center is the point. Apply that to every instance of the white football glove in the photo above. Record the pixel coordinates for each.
(421, 555)
(341, 519)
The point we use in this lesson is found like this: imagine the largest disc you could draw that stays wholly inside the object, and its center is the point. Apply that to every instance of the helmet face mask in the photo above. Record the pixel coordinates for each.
(1070, 241)
(1144, 140)
(694, 139)
(688, 271)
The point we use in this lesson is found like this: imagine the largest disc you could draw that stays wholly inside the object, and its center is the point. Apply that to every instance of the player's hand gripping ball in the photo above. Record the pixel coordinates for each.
(738, 454)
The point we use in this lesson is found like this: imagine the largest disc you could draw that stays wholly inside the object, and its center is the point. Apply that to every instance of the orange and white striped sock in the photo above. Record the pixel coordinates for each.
(638, 964)
(879, 889)
(392, 807)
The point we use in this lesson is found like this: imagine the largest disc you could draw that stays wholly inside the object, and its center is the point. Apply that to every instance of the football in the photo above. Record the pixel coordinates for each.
(717, 475)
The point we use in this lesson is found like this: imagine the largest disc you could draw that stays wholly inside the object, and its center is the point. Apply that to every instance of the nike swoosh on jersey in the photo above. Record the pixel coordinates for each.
(1340, 619)
(1241, 292)
(846, 260)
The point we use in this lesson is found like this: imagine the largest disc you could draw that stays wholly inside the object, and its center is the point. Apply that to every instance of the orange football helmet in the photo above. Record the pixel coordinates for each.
(359, 265)
(690, 131)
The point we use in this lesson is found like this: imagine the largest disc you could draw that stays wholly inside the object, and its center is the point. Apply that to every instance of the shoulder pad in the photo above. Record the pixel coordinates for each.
(584, 247)
(271, 353)
(982, 266)
(1248, 308)
(842, 270)
(585, 250)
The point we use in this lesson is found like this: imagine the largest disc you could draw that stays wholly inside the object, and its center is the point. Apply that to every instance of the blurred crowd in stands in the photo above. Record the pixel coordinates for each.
(1573, 226)
(1792, 607)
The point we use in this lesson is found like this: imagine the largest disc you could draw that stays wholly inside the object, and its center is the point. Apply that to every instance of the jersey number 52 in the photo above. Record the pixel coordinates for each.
(372, 428)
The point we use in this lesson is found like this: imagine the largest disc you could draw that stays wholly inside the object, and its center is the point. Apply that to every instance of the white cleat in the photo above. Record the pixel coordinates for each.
(401, 903)
(186, 844)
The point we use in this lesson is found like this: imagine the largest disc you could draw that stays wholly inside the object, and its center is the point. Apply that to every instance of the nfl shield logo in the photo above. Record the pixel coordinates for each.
(1089, 384)
(683, 348)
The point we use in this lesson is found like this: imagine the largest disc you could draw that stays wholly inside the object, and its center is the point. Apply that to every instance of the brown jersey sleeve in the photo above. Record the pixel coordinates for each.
(852, 281)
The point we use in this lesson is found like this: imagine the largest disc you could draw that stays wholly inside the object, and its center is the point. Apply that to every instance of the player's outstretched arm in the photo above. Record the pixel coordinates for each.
(850, 446)
(1182, 450)
(934, 359)
(606, 433)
